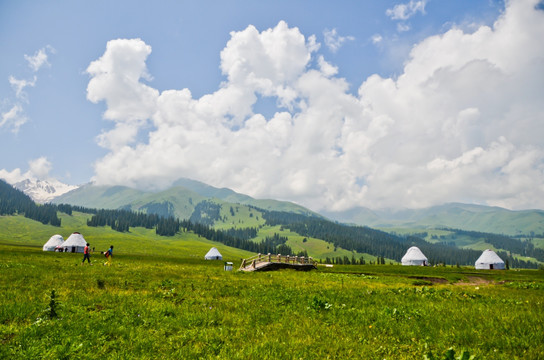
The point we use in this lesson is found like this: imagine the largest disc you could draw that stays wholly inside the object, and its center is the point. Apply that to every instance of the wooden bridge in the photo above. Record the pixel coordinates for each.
(269, 262)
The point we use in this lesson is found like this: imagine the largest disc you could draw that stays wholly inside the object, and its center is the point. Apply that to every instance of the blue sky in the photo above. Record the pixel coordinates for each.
(328, 104)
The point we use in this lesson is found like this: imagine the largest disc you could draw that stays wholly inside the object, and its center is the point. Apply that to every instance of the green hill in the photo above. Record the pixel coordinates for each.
(18, 230)
(455, 215)
(178, 201)
(259, 230)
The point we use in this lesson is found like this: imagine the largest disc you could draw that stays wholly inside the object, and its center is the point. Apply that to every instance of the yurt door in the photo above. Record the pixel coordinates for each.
(73, 249)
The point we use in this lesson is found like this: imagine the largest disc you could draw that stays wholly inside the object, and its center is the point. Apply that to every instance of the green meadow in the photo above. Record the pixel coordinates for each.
(159, 299)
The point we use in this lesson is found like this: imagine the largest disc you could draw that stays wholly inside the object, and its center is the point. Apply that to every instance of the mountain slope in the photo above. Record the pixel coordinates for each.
(231, 196)
(454, 215)
(179, 200)
(43, 191)
(100, 197)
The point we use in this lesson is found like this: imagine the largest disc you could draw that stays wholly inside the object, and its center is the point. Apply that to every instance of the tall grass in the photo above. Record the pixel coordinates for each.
(168, 304)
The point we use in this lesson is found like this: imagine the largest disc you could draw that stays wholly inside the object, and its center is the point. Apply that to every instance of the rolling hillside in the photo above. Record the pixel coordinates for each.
(18, 230)
(250, 228)
(178, 201)
(455, 215)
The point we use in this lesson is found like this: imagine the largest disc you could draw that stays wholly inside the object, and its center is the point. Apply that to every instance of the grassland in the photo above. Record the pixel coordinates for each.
(160, 300)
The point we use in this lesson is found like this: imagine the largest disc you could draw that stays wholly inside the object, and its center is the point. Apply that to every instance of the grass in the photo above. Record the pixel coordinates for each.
(161, 300)
(157, 305)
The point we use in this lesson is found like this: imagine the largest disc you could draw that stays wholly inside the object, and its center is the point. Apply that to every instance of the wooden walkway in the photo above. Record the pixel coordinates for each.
(270, 262)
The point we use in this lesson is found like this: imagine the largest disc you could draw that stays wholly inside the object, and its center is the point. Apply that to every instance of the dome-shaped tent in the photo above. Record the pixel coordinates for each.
(75, 243)
(213, 254)
(53, 242)
(414, 257)
(489, 260)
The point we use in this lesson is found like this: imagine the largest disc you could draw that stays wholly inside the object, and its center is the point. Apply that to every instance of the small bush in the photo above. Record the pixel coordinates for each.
(422, 283)
(450, 355)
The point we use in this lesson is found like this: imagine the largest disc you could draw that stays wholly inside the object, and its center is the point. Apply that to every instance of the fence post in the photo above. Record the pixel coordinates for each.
(253, 264)
(269, 255)
(259, 257)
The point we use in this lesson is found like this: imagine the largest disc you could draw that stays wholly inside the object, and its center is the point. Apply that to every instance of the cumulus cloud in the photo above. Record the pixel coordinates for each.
(334, 41)
(38, 169)
(462, 122)
(406, 11)
(116, 79)
(326, 68)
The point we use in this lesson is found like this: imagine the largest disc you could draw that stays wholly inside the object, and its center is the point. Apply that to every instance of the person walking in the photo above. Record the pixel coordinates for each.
(109, 255)
(86, 254)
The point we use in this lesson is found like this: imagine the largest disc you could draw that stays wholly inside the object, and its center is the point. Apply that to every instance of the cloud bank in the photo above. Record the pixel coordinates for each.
(38, 169)
(463, 122)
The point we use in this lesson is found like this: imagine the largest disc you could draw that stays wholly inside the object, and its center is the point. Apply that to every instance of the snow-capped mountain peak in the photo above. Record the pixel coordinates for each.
(43, 191)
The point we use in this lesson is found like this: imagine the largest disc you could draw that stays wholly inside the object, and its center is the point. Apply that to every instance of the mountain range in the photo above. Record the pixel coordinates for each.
(471, 217)
(181, 198)
(43, 191)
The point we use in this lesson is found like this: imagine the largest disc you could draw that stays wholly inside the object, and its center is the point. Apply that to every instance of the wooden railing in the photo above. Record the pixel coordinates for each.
(254, 261)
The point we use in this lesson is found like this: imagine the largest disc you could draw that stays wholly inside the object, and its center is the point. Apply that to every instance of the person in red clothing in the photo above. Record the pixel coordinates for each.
(109, 254)
(86, 254)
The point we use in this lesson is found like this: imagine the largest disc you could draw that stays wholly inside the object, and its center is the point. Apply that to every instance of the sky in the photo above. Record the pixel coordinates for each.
(332, 105)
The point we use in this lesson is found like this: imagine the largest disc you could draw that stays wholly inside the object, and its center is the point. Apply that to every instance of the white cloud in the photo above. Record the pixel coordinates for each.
(11, 177)
(376, 38)
(14, 118)
(39, 59)
(115, 79)
(40, 167)
(37, 169)
(406, 11)
(402, 27)
(334, 41)
(463, 122)
(20, 85)
(326, 68)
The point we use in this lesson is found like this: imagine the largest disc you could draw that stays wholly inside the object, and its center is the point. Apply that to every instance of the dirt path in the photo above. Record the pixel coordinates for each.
(475, 281)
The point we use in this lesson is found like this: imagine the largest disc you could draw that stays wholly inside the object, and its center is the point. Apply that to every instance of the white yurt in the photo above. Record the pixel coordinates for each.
(213, 254)
(414, 257)
(53, 242)
(75, 243)
(489, 260)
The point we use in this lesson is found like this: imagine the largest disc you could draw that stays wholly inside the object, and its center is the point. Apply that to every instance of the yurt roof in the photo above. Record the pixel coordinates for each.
(414, 253)
(213, 252)
(489, 257)
(76, 239)
(54, 240)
